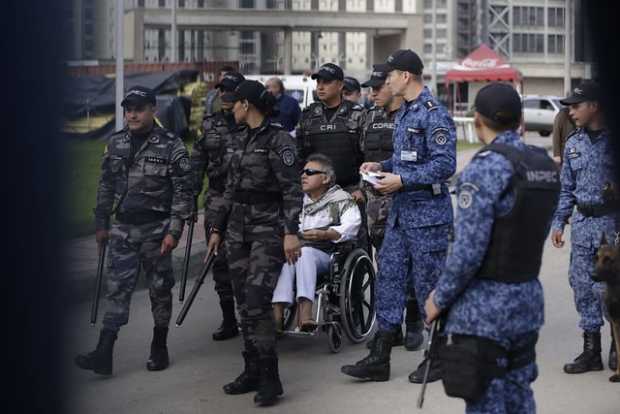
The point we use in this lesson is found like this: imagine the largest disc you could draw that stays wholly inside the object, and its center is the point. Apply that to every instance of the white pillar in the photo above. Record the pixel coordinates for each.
(567, 46)
(173, 34)
(120, 62)
(434, 63)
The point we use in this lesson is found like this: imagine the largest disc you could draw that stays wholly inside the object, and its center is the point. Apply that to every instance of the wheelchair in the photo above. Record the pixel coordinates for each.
(344, 299)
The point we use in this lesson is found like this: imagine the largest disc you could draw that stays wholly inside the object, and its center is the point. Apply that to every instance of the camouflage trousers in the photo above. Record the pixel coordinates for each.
(511, 394)
(221, 273)
(255, 266)
(410, 258)
(588, 294)
(130, 246)
(377, 210)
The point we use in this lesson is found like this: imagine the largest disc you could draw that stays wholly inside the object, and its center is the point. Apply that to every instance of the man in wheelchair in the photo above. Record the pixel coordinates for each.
(329, 216)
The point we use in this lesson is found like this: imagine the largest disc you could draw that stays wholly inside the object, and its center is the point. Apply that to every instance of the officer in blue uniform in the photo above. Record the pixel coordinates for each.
(489, 288)
(420, 219)
(586, 173)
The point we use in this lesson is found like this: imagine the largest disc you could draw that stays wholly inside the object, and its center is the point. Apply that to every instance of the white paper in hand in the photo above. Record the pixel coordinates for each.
(371, 177)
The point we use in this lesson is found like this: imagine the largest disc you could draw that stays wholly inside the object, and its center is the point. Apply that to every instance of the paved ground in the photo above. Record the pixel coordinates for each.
(310, 373)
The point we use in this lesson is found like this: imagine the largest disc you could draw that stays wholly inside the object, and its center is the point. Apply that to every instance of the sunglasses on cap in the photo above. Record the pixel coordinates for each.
(310, 171)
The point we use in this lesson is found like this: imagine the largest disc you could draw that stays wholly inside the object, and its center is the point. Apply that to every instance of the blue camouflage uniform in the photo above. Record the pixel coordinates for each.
(587, 169)
(508, 313)
(420, 219)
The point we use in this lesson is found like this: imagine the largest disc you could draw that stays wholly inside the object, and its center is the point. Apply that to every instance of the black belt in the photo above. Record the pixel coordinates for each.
(141, 217)
(595, 210)
(422, 187)
(255, 197)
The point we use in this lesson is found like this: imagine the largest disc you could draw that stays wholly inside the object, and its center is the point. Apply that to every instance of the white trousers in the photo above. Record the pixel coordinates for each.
(311, 262)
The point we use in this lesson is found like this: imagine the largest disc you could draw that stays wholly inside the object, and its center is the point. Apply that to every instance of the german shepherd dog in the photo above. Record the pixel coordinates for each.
(607, 269)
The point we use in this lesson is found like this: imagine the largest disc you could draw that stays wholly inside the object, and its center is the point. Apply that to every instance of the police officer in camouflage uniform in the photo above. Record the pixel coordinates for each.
(212, 154)
(587, 170)
(146, 182)
(420, 219)
(377, 146)
(489, 289)
(259, 222)
(333, 127)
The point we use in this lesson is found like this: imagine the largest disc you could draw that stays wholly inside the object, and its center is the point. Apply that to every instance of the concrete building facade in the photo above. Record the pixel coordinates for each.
(273, 36)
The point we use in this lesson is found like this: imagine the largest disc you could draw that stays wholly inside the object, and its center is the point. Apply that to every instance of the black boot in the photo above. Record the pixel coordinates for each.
(100, 360)
(590, 358)
(398, 340)
(376, 366)
(417, 376)
(158, 360)
(228, 329)
(414, 326)
(248, 380)
(613, 356)
(269, 385)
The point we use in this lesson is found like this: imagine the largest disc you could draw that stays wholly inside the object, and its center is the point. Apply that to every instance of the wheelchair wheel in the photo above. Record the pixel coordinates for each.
(357, 296)
(334, 338)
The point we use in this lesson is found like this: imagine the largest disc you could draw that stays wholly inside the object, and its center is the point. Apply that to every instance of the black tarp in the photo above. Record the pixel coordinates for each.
(96, 94)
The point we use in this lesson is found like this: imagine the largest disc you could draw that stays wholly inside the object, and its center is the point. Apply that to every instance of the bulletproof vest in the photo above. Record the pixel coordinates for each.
(337, 139)
(378, 145)
(517, 239)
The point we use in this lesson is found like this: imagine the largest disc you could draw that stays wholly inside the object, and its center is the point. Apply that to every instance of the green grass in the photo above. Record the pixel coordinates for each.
(84, 158)
(462, 145)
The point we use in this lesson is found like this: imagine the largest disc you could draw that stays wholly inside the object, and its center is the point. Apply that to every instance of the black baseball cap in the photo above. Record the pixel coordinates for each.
(230, 81)
(351, 84)
(406, 60)
(329, 72)
(251, 90)
(378, 76)
(586, 91)
(499, 102)
(139, 95)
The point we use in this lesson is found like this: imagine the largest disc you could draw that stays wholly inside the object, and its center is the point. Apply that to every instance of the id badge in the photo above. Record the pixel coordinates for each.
(409, 155)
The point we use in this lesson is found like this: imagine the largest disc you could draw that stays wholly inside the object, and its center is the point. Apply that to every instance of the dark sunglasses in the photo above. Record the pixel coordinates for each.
(310, 171)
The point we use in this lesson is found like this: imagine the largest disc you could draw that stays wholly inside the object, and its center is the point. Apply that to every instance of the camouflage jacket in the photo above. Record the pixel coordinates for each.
(156, 179)
(263, 188)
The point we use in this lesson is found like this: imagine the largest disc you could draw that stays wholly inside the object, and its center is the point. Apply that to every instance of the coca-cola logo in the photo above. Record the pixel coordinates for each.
(484, 63)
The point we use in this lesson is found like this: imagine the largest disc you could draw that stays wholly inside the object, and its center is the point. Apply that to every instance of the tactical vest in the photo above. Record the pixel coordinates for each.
(378, 145)
(337, 139)
(517, 239)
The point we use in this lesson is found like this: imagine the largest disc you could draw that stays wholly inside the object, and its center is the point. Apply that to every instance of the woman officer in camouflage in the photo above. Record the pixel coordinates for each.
(259, 219)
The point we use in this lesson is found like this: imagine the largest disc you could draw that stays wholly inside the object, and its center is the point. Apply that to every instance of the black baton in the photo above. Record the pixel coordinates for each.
(427, 352)
(188, 252)
(94, 308)
(195, 289)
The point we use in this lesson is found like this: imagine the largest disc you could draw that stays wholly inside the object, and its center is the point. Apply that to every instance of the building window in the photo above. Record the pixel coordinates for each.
(528, 43)
(247, 35)
(428, 48)
(247, 48)
(441, 18)
(181, 4)
(141, 3)
(246, 4)
(441, 33)
(162, 4)
(555, 44)
(201, 4)
(555, 17)
(428, 33)
(528, 16)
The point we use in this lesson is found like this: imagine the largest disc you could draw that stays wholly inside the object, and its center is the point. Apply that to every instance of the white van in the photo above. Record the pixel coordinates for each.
(299, 87)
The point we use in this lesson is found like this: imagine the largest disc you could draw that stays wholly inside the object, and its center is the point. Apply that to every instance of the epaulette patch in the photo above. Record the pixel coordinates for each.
(430, 105)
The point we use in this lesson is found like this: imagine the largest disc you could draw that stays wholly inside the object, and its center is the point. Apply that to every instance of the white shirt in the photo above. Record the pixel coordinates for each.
(350, 221)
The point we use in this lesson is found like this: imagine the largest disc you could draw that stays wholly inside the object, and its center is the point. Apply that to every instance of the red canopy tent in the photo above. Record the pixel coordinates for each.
(482, 65)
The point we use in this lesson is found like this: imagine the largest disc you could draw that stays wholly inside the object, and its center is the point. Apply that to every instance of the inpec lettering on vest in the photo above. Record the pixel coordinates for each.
(542, 176)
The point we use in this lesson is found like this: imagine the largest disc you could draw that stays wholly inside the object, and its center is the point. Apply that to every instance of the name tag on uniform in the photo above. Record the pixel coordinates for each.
(409, 155)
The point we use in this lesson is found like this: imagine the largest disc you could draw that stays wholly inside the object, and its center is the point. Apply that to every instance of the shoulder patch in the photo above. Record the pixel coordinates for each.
(466, 195)
(185, 164)
(287, 155)
(440, 135)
